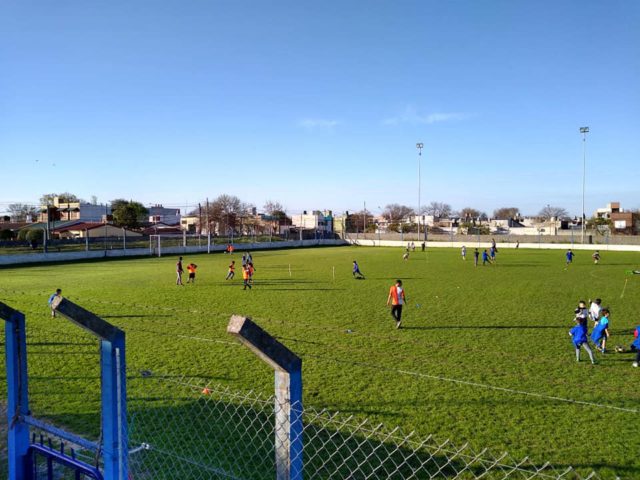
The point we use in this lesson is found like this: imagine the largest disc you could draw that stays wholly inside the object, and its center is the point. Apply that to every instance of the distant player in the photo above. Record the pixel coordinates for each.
(232, 270)
(476, 255)
(53, 301)
(485, 257)
(578, 335)
(463, 251)
(397, 299)
(191, 268)
(405, 256)
(517, 244)
(492, 253)
(244, 260)
(596, 257)
(251, 270)
(595, 311)
(246, 277)
(636, 345)
(356, 271)
(569, 256)
(600, 333)
(179, 271)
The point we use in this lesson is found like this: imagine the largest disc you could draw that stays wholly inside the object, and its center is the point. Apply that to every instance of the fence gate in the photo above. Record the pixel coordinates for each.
(38, 450)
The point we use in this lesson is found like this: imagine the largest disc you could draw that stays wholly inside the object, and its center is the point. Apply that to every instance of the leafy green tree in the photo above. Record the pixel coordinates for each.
(128, 214)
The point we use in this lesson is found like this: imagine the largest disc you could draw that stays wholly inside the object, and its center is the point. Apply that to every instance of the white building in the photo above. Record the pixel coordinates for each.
(160, 214)
(318, 221)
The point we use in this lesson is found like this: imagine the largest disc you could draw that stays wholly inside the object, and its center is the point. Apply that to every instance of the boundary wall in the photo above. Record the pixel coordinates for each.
(28, 258)
(484, 244)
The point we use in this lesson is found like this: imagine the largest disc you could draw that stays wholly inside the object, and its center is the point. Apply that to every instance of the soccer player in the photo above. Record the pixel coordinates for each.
(601, 331)
(569, 255)
(595, 311)
(492, 253)
(52, 301)
(476, 254)
(636, 345)
(251, 270)
(246, 277)
(244, 260)
(579, 338)
(179, 271)
(356, 271)
(232, 270)
(405, 256)
(596, 257)
(581, 314)
(191, 268)
(485, 257)
(463, 251)
(397, 299)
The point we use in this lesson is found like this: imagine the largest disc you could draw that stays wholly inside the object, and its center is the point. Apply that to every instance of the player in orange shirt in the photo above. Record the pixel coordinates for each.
(191, 268)
(232, 270)
(397, 299)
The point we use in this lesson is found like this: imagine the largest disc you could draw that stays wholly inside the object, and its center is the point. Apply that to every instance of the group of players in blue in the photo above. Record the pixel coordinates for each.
(599, 316)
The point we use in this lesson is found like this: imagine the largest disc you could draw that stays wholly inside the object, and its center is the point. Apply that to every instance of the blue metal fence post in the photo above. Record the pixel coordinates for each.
(17, 391)
(114, 397)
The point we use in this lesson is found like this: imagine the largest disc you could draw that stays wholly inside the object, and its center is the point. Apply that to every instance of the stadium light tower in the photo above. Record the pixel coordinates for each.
(419, 146)
(584, 131)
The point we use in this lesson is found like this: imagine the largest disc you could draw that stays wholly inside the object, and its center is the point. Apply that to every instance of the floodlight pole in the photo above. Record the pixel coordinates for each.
(419, 146)
(584, 131)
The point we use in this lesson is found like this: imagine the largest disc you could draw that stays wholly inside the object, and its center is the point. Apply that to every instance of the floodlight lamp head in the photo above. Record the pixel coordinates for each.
(419, 146)
(584, 129)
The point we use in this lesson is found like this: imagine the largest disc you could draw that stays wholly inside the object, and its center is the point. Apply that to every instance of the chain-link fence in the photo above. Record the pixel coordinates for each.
(196, 432)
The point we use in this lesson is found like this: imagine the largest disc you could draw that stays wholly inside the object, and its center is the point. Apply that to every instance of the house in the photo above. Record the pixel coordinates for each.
(621, 221)
(161, 228)
(160, 214)
(92, 230)
(321, 222)
(68, 211)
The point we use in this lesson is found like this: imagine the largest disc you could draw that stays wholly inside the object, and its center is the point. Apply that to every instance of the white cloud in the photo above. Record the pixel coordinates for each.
(411, 115)
(311, 123)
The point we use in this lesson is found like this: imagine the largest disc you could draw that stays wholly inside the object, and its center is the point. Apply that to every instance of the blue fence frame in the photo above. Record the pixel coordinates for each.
(114, 447)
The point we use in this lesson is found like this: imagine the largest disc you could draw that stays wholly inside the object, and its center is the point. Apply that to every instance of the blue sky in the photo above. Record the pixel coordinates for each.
(319, 105)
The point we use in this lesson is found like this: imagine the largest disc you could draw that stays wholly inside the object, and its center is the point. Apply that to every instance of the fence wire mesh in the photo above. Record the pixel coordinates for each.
(192, 432)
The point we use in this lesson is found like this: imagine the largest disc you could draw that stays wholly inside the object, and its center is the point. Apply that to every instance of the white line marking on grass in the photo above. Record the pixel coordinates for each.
(624, 288)
(483, 385)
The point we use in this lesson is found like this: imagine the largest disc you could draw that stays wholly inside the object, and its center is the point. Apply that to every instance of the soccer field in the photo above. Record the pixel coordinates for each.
(483, 357)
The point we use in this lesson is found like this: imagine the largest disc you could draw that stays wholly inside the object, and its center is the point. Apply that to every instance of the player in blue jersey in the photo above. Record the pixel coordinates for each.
(578, 335)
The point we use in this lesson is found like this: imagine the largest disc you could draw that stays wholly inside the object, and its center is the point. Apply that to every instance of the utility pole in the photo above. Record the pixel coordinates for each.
(419, 146)
(584, 131)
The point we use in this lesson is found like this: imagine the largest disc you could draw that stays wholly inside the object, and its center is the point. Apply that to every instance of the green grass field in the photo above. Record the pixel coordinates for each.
(484, 356)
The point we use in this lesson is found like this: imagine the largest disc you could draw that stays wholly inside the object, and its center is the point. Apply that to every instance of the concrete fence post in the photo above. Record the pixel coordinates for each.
(288, 393)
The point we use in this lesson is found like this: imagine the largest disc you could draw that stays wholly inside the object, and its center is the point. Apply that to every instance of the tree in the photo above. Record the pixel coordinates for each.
(128, 214)
(395, 213)
(20, 211)
(438, 209)
(470, 213)
(506, 213)
(272, 207)
(65, 197)
(359, 221)
(225, 211)
(550, 212)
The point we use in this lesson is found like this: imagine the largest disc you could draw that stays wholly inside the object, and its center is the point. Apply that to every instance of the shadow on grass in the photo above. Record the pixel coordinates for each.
(196, 433)
(135, 316)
